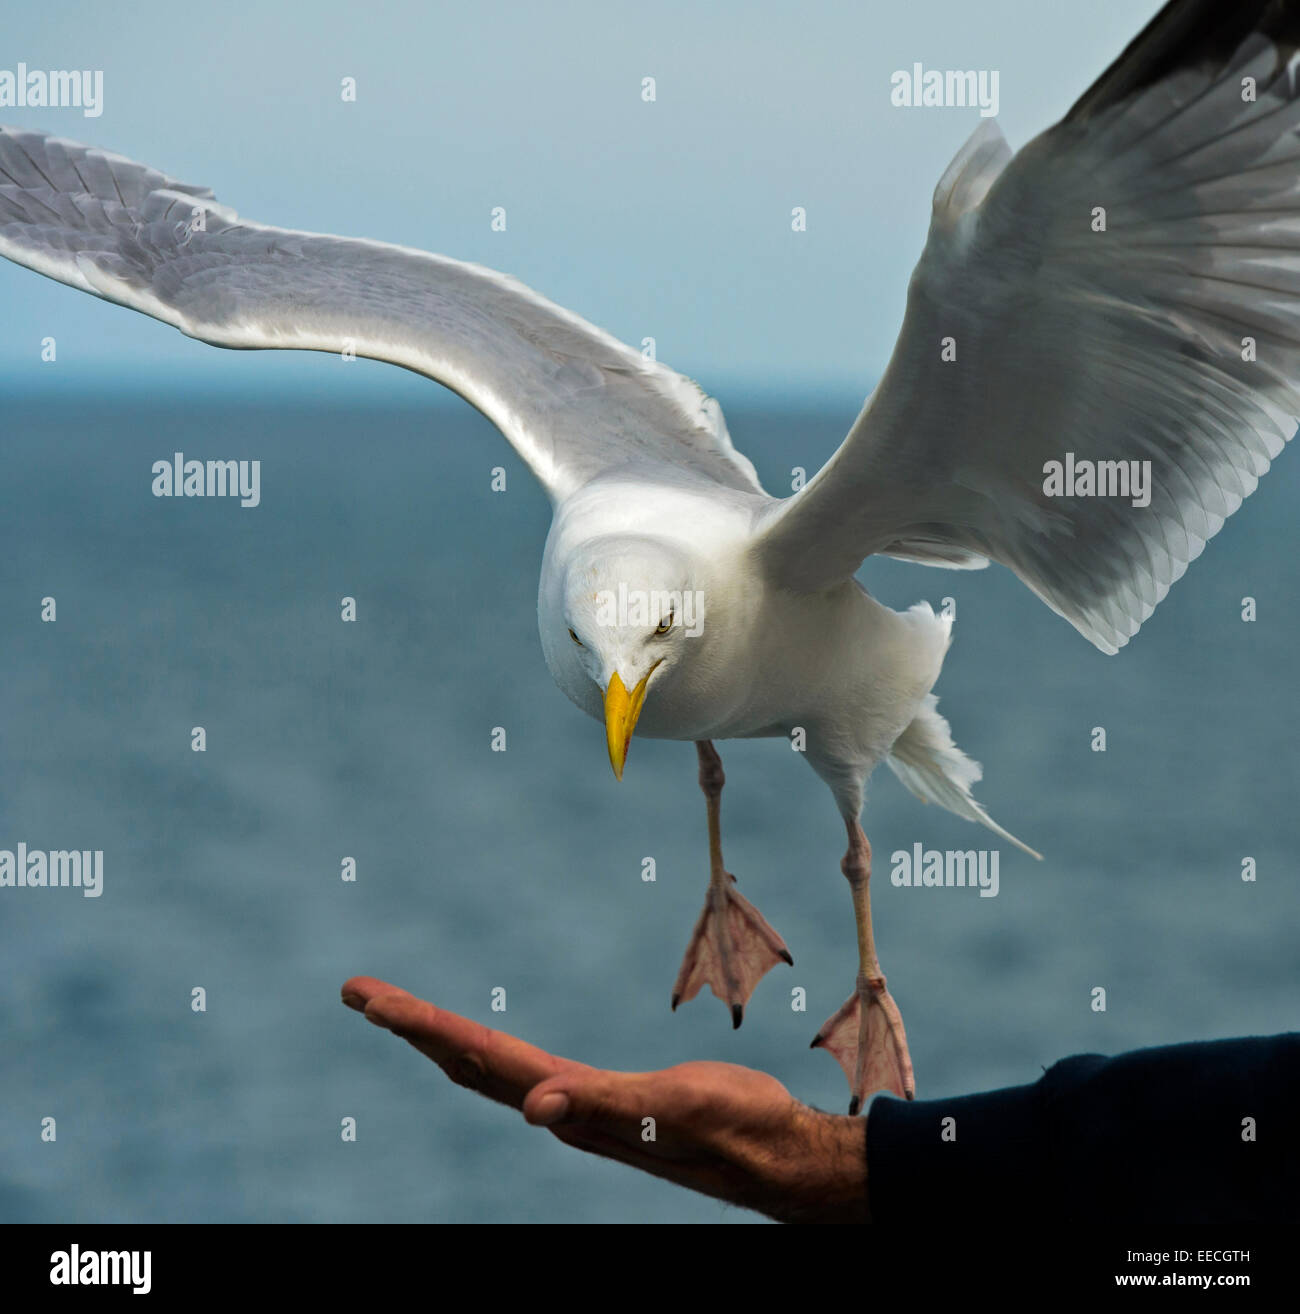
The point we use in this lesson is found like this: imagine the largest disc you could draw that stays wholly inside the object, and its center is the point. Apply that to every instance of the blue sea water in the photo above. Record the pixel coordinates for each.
(479, 869)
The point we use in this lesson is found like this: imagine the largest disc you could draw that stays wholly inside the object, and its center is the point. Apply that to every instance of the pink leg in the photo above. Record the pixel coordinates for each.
(866, 1035)
(732, 946)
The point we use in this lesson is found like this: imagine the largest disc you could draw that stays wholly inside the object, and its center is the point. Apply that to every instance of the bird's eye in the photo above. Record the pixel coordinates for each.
(575, 638)
(664, 626)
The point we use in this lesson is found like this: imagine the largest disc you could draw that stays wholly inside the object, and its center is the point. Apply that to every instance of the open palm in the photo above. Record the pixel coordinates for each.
(724, 1130)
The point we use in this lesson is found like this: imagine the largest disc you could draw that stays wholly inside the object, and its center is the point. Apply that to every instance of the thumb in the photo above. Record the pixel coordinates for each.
(593, 1097)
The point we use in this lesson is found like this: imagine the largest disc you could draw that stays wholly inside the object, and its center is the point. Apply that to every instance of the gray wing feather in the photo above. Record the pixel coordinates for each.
(1172, 336)
(574, 401)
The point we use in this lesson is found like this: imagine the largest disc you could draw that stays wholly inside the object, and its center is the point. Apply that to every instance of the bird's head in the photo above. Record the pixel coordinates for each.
(629, 612)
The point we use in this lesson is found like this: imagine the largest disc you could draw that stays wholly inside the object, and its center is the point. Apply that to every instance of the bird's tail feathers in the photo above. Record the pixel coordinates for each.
(927, 761)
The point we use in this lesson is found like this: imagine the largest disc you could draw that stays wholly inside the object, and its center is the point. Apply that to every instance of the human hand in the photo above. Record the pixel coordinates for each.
(726, 1131)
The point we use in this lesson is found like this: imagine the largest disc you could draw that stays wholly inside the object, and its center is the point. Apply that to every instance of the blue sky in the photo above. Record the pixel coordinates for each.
(669, 219)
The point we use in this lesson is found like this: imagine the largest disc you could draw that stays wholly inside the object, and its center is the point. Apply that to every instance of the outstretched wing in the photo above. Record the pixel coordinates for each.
(573, 400)
(1126, 288)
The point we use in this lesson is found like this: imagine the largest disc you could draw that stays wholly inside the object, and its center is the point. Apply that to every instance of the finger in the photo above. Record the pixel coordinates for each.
(493, 1063)
(358, 991)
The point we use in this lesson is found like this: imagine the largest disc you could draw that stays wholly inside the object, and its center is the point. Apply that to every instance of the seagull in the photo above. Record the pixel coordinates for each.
(1099, 358)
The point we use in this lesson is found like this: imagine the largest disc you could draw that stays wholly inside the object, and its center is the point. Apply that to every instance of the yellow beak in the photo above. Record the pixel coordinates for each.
(621, 712)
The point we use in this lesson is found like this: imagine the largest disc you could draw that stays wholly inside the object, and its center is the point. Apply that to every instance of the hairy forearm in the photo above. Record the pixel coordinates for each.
(823, 1176)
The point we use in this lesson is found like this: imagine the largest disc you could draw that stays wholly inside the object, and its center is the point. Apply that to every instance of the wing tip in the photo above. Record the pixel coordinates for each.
(1186, 34)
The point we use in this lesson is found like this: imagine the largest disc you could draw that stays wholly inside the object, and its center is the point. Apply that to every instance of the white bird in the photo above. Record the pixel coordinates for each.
(1122, 290)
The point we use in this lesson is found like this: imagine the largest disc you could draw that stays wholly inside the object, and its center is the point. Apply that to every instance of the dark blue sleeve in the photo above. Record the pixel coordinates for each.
(1158, 1135)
